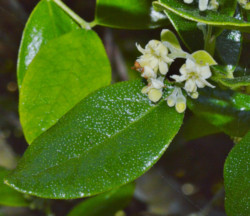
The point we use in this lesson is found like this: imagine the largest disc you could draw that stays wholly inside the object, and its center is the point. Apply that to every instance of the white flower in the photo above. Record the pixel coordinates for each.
(177, 99)
(154, 89)
(188, 1)
(203, 5)
(213, 5)
(148, 73)
(155, 56)
(195, 76)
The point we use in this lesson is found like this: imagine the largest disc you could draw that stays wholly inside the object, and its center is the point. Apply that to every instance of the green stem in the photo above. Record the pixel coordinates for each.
(72, 14)
(210, 41)
(92, 24)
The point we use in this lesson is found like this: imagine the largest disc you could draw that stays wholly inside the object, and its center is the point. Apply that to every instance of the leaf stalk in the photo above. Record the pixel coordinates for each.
(73, 15)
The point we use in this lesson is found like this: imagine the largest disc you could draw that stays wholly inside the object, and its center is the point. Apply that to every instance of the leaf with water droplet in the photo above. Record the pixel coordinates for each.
(222, 17)
(105, 204)
(64, 71)
(226, 109)
(236, 177)
(110, 138)
(8, 196)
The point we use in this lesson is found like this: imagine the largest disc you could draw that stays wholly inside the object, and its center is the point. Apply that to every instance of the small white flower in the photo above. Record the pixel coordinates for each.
(203, 5)
(154, 89)
(188, 1)
(155, 56)
(195, 76)
(177, 99)
(148, 73)
(213, 5)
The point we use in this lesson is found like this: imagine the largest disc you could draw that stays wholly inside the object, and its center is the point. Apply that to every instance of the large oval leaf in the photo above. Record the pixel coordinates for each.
(226, 109)
(129, 14)
(236, 176)
(8, 196)
(64, 71)
(46, 22)
(106, 204)
(109, 139)
(222, 17)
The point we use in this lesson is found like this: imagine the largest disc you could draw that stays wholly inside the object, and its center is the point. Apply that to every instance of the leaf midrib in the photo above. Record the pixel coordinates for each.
(224, 23)
(108, 138)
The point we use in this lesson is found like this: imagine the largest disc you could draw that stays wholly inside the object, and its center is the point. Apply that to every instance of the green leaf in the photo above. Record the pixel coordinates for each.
(46, 22)
(167, 35)
(236, 82)
(187, 30)
(195, 127)
(8, 196)
(226, 109)
(63, 72)
(228, 47)
(203, 58)
(222, 17)
(106, 204)
(109, 139)
(236, 177)
(129, 14)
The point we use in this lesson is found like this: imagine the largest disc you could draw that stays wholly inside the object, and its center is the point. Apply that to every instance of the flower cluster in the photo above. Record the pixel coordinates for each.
(195, 76)
(154, 64)
(205, 4)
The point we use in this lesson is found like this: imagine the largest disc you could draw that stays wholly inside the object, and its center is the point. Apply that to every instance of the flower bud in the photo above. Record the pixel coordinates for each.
(194, 95)
(154, 95)
(180, 105)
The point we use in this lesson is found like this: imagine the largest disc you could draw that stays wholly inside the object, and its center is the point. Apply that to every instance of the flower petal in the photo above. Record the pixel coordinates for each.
(205, 72)
(140, 48)
(163, 67)
(178, 78)
(154, 94)
(203, 5)
(148, 73)
(183, 70)
(200, 83)
(207, 83)
(157, 84)
(190, 86)
(188, 1)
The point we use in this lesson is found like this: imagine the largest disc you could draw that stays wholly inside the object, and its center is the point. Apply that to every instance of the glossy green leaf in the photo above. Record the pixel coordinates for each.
(108, 139)
(226, 109)
(228, 48)
(222, 17)
(106, 204)
(243, 68)
(46, 22)
(187, 30)
(63, 72)
(8, 196)
(129, 14)
(235, 82)
(236, 177)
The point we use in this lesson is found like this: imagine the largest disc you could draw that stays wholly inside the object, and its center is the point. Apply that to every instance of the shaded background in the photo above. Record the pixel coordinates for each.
(188, 179)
